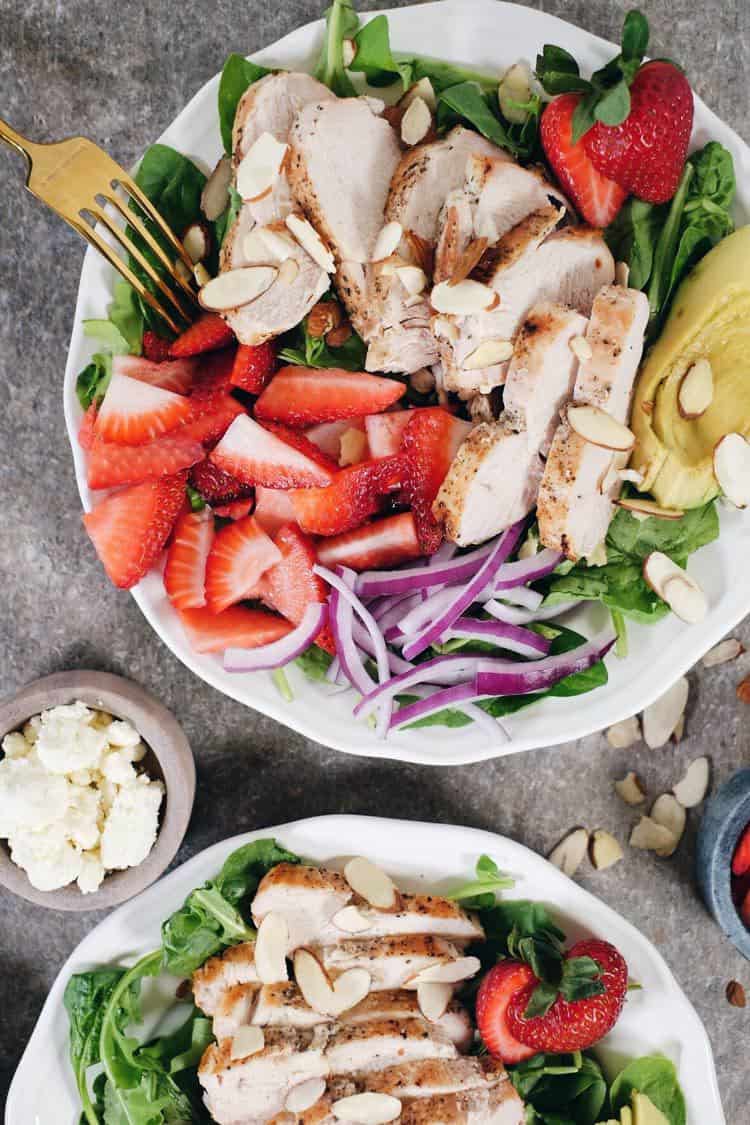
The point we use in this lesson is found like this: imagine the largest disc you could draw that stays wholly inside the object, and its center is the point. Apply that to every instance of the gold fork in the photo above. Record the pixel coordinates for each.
(79, 180)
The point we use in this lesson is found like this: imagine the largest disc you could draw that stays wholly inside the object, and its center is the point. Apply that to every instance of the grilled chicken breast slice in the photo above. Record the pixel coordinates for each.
(235, 966)
(235, 1008)
(499, 1106)
(576, 502)
(398, 1004)
(418, 914)
(360, 1048)
(306, 897)
(424, 1078)
(392, 962)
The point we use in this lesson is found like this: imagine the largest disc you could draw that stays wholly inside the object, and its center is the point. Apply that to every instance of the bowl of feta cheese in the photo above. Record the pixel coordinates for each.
(97, 782)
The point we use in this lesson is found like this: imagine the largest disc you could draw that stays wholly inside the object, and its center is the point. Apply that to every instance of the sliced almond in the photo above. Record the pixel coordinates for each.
(322, 996)
(468, 261)
(271, 946)
(447, 972)
(413, 279)
(696, 391)
(624, 734)
(661, 718)
(514, 91)
(670, 814)
(348, 52)
(305, 1095)
(260, 166)
(692, 788)
(686, 599)
(581, 348)
(723, 652)
(371, 884)
(310, 240)
(597, 427)
(649, 508)
(433, 999)
(353, 444)
(351, 920)
(288, 271)
(631, 789)
(277, 243)
(570, 853)
(622, 274)
(464, 299)
(651, 836)
(182, 270)
(197, 242)
(732, 468)
(423, 251)
(605, 849)
(215, 194)
(416, 122)
(488, 354)
(200, 273)
(422, 89)
(235, 288)
(367, 1109)
(633, 476)
(444, 329)
(247, 1041)
(387, 241)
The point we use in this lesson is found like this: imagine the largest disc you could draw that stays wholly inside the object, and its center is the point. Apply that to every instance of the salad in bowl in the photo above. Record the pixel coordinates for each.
(469, 356)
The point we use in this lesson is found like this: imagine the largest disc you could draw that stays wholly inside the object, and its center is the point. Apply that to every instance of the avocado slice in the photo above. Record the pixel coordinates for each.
(710, 318)
(644, 1111)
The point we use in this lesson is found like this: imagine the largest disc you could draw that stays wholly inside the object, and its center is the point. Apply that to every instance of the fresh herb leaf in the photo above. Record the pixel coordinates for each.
(314, 662)
(341, 23)
(480, 892)
(656, 1077)
(237, 75)
(374, 58)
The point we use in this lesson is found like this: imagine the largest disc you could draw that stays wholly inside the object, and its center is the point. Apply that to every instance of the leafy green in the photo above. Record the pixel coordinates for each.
(373, 56)
(655, 1077)
(237, 74)
(632, 238)
(283, 686)
(467, 103)
(125, 315)
(525, 930)
(561, 1089)
(85, 998)
(620, 584)
(341, 23)
(480, 892)
(108, 334)
(92, 382)
(121, 333)
(197, 503)
(211, 918)
(312, 351)
(314, 662)
(226, 220)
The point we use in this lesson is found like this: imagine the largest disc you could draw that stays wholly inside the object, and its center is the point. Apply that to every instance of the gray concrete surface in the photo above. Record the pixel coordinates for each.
(119, 72)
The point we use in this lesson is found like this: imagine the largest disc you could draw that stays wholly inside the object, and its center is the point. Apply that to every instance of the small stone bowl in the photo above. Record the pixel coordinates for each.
(169, 759)
(725, 818)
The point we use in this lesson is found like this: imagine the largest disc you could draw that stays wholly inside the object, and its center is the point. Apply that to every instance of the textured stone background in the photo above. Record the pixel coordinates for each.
(119, 72)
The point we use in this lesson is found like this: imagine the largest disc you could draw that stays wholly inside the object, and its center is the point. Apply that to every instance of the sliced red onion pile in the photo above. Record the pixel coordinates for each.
(419, 607)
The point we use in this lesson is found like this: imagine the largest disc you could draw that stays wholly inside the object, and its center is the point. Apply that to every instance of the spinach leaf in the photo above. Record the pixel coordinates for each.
(480, 892)
(341, 23)
(561, 1088)
(125, 315)
(665, 251)
(314, 662)
(226, 220)
(237, 74)
(373, 56)
(211, 917)
(632, 238)
(92, 382)
(311, 351)
(466, 104)
(85, 999)
(655, 1077)
(108, 334)
(525, 930)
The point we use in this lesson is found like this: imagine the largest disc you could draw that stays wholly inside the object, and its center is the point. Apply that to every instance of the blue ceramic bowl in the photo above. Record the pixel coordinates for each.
(726, 816)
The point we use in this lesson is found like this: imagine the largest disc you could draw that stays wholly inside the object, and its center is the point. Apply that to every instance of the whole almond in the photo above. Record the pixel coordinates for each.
(338, 336)
(735, 994)
(423, 252)
(743, 690)
(323, 318)
(468, 260)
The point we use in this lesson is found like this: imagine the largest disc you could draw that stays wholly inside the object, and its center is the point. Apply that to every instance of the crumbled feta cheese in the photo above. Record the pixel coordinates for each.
(30, 796)
(83, 777)
(138, 753)
(31, 729)
(48, 859)
(91, 873)
(117, 768)
(67, 741)
(101, 719)
(15, 745)
(81, 819)
(121, 733)
(131, 825)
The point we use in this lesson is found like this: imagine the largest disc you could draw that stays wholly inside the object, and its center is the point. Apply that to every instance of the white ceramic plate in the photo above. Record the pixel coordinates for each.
(491, 36)
(420, 856)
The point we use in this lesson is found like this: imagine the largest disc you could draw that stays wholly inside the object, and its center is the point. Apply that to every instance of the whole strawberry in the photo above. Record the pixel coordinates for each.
(646, 153)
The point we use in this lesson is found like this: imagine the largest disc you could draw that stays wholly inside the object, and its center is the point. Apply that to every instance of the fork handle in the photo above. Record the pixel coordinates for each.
(15, 140)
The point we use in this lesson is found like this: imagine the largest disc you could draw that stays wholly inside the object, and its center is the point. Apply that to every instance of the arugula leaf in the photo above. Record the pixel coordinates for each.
(212, 918)
(311, 351)
(568, 1089)
(108, 334)
(374, 58)
(656, 1077)
(85, 999)
(479, 893)
(341, 23)
(237, 75)
(314, 662)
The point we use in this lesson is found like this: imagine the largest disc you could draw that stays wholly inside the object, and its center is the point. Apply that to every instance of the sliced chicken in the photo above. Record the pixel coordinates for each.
(306, 897)
(425, 1078)
(392, 962)
(500, 1105)
(283, 1005)
(398, 1004)
(235, 966)
(377, 1044)
(580, 485)
(235, 1008)
(238, 1091)
(528, 265)
(418, 914)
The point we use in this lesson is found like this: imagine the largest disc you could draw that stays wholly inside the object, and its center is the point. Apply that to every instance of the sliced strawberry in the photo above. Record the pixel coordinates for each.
(129, 528)
(237, 627)
(176, 375)
(134, 412)
(214, 373)
(352, 497)
(185, 569)
(235, 509)
(254, 366)
(210, 419)
(110, 464)
(291, 586)
(240, 554)
(327, 436)
(384, 431)
(496, 991)
(299, 441)
(303, 396)
(216, 486)
(741, 857)
(86, 434)
(574, 1025)
(386, 542)
(155, 347)
(255, 456)
(430, 442)
(597, 198)
(273, 508)
(206, 334)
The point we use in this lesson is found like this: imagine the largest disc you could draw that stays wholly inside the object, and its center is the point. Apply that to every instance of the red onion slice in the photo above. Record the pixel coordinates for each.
(515, 616)
(455, 668)
(521, 595)
(523, 571)
(363, 639)
(456, 696)
(342, 621)
(511, 637)
(538, 675)
(280, 652)
(409, 579)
